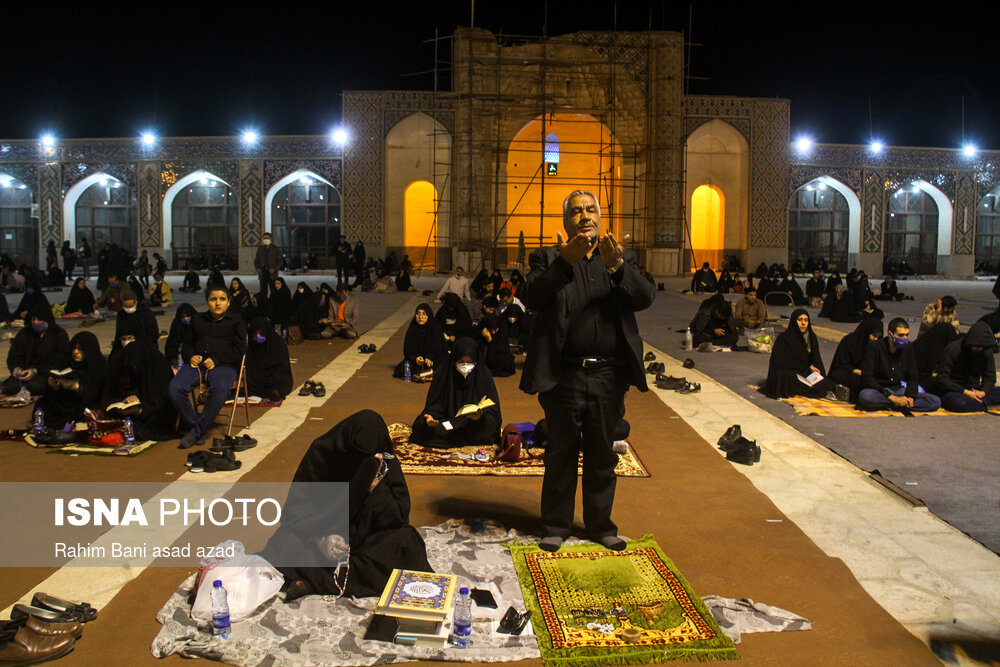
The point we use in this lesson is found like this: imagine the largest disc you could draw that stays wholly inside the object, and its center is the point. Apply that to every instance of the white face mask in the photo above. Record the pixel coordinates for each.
(267, 241)
(131, 310)
(464, 369)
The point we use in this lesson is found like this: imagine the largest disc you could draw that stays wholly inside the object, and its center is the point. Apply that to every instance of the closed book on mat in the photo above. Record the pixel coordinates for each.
(412, 632)
(418, 595)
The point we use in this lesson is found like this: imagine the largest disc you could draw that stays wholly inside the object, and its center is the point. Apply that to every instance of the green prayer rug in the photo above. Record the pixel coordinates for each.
(593, 606)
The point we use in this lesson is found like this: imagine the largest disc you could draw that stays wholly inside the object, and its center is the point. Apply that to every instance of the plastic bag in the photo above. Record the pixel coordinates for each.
(250, 581)
(760, 340)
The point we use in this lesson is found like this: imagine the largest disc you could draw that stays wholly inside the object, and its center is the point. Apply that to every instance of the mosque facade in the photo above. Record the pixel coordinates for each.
(478, 171)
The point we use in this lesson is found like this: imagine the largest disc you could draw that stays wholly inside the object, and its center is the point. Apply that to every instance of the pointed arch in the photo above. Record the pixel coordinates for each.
(73, 197)
(168, 204)
(717, 154)
(290, 178)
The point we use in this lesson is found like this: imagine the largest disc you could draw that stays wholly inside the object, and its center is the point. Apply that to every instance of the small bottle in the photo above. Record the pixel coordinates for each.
(38, 421)
(220, 611)
(407, 373)
(688, 340)
(461, 624)
(129, 430)
(284, 334)
(180, 360)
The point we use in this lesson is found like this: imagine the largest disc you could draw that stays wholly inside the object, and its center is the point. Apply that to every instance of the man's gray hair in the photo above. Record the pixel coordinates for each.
(576, 193)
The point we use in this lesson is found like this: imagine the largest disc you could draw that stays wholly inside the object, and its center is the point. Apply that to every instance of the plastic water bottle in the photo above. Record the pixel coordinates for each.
(461, 624)
(180, 359)
(38, 421)
(407, 373)
(129, 430)
(688, 340)
(220, 611)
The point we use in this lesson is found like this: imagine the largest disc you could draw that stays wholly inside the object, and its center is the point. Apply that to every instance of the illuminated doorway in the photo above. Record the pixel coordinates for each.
(708, 226)
(420, 202)
(545, 162)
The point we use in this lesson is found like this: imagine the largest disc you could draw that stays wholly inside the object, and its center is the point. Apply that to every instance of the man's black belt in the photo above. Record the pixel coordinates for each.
(592, 363)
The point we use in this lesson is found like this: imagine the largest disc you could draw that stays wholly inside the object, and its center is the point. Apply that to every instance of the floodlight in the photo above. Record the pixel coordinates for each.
(803, 144)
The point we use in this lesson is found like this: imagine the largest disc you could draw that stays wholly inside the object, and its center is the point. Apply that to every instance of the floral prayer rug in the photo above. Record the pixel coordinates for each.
(418, 460)
(594, 606)
(821, 407)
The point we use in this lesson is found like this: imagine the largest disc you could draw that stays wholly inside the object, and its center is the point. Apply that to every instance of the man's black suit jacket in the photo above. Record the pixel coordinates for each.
(554, 293)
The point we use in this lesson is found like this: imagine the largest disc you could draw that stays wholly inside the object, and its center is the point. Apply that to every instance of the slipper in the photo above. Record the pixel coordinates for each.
(319, 390)
(46, 601)
(238, 444)
(196, 460)
(649, 357)
(222, 463)
(307, 388)
(689, 363)
(23, 611)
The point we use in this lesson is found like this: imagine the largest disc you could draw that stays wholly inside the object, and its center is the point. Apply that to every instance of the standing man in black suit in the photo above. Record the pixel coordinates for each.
(584, 354)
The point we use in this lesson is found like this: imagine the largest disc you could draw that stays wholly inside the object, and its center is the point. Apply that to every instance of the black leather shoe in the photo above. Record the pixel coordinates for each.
(46, 601)
(745, 452)
(728, 440)
(649, 357)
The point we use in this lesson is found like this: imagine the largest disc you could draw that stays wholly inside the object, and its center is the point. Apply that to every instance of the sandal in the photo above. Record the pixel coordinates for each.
(690, 388)
(307, 388)
(319, 390)
(237, 444)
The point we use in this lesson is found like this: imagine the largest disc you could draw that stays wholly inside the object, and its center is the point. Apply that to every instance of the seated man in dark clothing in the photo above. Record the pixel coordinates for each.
(192, 283)
(714, 323)
(220, 341)
(704, 279)
(966, 380)
(889, 290)
(889, 378)
(815, 287)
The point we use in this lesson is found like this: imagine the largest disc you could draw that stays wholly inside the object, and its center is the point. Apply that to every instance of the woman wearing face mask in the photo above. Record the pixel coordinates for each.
(68, 395)
(462, 380)
(796, 353)
(38, 348)
(135, 319)
(424, 344)
(269, 372)
(180, 340)
(33, 296)
(241, 303)
(81, 299)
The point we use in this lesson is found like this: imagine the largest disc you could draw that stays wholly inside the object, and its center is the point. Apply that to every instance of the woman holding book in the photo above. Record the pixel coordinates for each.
(138, 371)
(795, 357)
(424, 344)
(464, 380)
(82, 387)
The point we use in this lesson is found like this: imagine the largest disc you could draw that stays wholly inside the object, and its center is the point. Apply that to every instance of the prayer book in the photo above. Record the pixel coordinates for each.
(122, 405)
(65, 371)
(431, 636)
(475, 407)
(423, 596)
(811, 379)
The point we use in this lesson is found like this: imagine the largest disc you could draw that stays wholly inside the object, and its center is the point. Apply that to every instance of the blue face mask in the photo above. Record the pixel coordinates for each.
(322, 301)
(39, 327)
(30, 290)
(259, 338)
(900, 342)
(185, 320)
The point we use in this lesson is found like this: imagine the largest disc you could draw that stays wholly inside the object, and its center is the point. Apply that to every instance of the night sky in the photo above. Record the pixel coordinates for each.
(205, 69)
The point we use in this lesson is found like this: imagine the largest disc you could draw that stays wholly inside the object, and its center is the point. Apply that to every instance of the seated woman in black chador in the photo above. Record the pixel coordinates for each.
(927, 349)
(180, 339)
(515, 322)
(215, 277)
(845, 368)
(41, 346)
(403, 282)
(424, 345)
(496, 345)
(299, 296)
(725, 282)
(68, 395)
(454, 318)
(516, 280)
(314, 308)
(796, 352)
(478, 287)
(33, 296)
(357, 451)
(80, 300)
(269, 372)
(279, 304)
(714, 323)
(139, 370)
(241, 302)
(462, 380)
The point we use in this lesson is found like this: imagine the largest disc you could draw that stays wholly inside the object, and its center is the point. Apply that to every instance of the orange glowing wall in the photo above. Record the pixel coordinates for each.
(419, 204)
(708, 226)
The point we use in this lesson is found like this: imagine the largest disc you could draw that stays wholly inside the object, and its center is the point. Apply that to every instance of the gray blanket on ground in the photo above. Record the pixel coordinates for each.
(313, 631)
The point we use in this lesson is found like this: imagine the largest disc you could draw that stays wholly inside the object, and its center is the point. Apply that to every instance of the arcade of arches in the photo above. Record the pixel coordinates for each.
(549, 158)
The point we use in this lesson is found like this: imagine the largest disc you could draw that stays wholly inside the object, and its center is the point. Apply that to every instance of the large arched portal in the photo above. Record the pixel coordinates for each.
(548, 160)
(708, 225)
(988, 230)
(918, 228)
(101, 209)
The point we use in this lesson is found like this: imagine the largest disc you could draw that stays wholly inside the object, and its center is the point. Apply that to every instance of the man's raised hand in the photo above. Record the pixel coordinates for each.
(575, 249)
(612, 250)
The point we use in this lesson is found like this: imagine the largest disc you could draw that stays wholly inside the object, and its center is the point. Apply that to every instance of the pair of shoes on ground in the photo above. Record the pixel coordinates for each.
(655, 368)
(313, 388)
(737, 448)
(47, 629)
(208, 461)
(240, 443)
(367, 349)
(190, 440)
(669, 381)
(649, 357)
(554, 542)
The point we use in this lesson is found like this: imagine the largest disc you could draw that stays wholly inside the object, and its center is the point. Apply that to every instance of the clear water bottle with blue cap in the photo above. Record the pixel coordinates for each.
(129, 430)
(220, 611)
(407, 372)
(38, 421)
(461, 624)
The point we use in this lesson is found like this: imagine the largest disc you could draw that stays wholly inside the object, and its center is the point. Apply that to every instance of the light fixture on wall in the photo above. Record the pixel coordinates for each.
(803, 144)
(148, 139)
(250, 137)
(876, 146)
(969, 150)
(339, 136)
